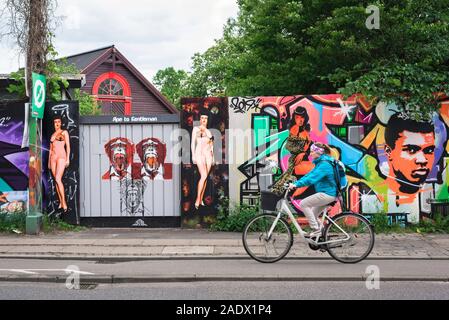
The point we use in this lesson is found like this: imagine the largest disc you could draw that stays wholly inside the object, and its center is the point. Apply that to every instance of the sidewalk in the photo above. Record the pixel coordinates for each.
(136, 244)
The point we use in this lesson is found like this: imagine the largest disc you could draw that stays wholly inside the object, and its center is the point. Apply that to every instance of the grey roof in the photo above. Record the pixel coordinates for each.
(83, 60)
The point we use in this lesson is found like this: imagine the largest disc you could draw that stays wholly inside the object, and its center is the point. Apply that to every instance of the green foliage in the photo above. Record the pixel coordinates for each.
(55, 72)
(233, 218)
(381, 224)
(88, 105)
(19, 88)
(12, 222)
(172, 84)
(289, 47)
(51, 225)
(439, 225)
(16, 223)
(56, 69)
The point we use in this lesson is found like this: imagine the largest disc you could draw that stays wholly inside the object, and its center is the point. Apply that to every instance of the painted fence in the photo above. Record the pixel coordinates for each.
(15, 160)
(128, 174)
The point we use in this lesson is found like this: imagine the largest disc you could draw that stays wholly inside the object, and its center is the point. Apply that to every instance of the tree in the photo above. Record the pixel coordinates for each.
(172, 84)
(289, 47)
(31, 23)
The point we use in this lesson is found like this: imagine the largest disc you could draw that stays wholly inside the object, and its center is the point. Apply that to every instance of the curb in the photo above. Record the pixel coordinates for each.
(207, 278)
(197, 257)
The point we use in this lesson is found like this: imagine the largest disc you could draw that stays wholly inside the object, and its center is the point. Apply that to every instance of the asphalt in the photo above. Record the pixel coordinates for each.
(167, 247)
(161, 271)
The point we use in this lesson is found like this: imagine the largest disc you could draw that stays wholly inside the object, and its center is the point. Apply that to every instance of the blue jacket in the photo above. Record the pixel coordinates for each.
(322, 177)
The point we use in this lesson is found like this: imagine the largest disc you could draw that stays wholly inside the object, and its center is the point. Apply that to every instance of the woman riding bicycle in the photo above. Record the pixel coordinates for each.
(322, 177)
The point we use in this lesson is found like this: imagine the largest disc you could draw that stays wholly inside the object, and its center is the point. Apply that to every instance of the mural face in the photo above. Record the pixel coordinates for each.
(120, 152)
(61, 160)
(14, 158)
(394, 164)
(134, 176)
(410, 148)
(152, 153)
(204, 179)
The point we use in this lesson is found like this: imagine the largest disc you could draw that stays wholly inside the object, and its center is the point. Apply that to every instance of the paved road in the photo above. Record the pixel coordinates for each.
(230, 291)
(223, 270)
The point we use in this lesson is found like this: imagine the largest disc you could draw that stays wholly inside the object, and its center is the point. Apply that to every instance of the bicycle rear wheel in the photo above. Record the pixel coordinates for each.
(266, 249)
(352, 238)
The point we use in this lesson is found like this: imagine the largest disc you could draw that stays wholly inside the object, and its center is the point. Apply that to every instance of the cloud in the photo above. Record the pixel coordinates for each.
(152, 34)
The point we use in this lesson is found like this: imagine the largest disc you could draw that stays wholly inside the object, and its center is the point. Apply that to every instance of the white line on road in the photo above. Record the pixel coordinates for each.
(36, 271)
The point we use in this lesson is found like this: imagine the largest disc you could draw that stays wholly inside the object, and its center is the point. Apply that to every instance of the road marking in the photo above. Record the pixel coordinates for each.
(36, 271)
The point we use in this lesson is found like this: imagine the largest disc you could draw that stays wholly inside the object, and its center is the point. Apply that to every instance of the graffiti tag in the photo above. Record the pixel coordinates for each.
(244, 105)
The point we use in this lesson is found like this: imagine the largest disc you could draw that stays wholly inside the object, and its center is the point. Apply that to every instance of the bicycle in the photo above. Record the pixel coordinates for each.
(347, 237)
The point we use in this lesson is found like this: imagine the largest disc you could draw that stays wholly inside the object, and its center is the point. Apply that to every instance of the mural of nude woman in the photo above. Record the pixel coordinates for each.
(202, 154)
(59, 159)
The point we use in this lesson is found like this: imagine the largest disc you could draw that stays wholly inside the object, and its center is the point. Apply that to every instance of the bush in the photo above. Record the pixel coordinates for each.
(88, 105)
(439, 225)
(16, 223)
(55, 224)
(233, 219)
(12, 222)
(381, 224)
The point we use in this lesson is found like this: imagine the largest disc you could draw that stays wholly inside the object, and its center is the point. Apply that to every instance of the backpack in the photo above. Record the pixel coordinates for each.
(340, 175)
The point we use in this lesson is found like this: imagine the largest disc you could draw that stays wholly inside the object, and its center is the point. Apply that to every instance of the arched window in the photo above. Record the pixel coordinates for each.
(113, 93)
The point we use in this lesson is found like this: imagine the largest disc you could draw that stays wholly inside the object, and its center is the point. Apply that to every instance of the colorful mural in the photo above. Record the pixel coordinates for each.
(14, 158)
(61, 160)
(205, 177)
(134, 176)
(395, 164)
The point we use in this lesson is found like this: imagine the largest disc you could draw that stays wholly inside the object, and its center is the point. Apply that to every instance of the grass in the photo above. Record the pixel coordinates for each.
(54, 225)
(438, 225)
(233, 218)
(12, 223)
(16, 223)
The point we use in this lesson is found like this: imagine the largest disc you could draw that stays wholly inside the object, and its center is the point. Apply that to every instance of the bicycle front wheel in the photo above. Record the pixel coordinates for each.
(262, 247)
(351, 236)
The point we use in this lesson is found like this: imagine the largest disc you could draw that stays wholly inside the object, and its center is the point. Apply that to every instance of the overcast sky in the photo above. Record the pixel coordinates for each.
(152, 34)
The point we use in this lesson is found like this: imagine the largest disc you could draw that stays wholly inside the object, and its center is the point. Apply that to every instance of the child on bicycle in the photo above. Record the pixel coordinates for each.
(322, 177)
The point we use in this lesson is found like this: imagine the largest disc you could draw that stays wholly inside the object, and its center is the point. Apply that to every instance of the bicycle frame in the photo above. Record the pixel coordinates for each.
(285, 209)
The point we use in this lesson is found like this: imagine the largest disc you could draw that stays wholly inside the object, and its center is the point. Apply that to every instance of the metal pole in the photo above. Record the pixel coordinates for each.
(34, 217)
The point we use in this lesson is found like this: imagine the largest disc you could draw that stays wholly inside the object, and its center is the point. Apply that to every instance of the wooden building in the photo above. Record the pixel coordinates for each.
(117, 85)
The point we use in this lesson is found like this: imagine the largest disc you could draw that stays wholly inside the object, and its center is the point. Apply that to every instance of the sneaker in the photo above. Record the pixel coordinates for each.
(314, 234)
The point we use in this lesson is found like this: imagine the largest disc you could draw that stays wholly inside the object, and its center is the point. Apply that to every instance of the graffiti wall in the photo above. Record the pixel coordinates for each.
(204, 177)
(395, 164)
(60, 158)
(14, 158)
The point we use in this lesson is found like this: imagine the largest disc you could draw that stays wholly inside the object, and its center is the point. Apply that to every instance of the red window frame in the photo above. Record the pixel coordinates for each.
(126, 98)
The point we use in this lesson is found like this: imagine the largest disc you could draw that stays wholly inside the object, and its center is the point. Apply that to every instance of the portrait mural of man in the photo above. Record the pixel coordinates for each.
(410, 148)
